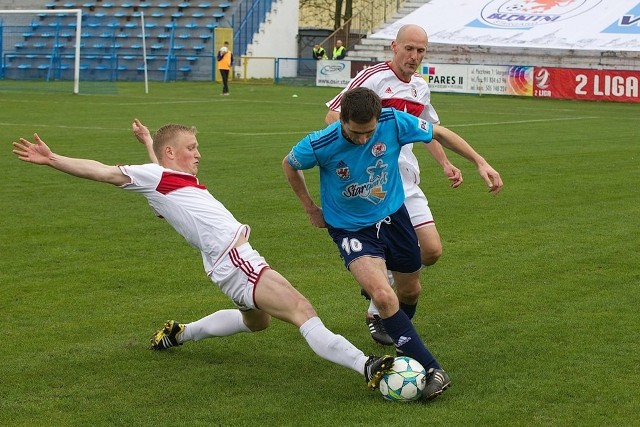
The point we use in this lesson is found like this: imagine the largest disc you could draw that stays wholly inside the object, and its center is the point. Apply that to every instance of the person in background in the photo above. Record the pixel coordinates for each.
(339, 51)
(225, 60)
(319, 52)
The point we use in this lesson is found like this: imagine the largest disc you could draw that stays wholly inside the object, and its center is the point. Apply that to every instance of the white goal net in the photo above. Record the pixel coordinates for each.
(41, 45)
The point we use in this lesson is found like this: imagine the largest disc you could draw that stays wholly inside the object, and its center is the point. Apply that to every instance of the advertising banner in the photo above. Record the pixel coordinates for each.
(481, 79)
(607, 25)
(333, 73)
(593, 85)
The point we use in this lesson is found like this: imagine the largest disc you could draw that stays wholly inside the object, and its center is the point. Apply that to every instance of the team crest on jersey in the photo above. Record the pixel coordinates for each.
(378, 149)
(414, 92)
(342, 170)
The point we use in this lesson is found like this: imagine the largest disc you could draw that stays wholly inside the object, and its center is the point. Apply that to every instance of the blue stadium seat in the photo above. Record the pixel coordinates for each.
(218, 16)
(191, 25)
(197, 15)
(224, 5)
(164, 5)
(24, 66)
(204, 5)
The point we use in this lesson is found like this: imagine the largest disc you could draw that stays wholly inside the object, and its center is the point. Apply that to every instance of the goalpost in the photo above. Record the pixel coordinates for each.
(16, 28)
(39, 44)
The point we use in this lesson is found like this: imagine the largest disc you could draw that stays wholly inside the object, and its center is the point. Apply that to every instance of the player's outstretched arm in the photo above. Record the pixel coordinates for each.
(40, 154)
(142, 134)
(299, 187)
(456, 143)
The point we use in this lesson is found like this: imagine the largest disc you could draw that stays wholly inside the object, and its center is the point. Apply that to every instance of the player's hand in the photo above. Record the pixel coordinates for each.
(453, 174)
(316, 217)
(38, 152)
(491, 177)
(141, 132)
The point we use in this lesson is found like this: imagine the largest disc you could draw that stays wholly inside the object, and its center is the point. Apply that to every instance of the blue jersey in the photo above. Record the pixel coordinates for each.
(360, 184)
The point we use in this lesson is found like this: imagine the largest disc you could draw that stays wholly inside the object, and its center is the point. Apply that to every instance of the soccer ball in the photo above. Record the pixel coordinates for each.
(404, 382)
(224, 49)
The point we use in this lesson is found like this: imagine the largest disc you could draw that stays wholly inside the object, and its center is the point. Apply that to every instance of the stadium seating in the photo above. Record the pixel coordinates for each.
(178, 33)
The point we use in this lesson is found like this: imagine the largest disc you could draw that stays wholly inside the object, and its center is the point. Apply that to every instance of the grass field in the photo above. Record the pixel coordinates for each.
(533, 308)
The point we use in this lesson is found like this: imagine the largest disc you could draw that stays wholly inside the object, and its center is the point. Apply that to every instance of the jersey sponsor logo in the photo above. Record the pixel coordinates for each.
(378, 149)
(342, 170)
(372, 190)
(174, 181)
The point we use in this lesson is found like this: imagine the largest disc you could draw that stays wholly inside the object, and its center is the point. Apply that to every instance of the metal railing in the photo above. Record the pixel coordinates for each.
(362, 23)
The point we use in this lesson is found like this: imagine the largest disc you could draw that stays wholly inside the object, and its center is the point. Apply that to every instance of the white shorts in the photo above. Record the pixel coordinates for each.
(238, 273)
(415, 201)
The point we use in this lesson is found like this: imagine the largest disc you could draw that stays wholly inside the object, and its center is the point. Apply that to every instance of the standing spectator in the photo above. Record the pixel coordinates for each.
(319, 53)
(339, 52)
(225, 59)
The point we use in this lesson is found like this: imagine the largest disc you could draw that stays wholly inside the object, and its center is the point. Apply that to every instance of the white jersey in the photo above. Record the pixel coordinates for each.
(188, 206)
(413, 97)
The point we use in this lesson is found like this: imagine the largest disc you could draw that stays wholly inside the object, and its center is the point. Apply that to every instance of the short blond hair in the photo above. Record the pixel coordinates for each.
(166, 134)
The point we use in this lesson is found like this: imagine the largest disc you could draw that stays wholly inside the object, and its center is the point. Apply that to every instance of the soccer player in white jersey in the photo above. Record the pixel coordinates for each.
(399, 85)
(175, 194)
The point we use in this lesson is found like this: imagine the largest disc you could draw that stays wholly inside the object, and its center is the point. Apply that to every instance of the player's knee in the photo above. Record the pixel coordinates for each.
(431, 255)
(409, 294)
(257, 324)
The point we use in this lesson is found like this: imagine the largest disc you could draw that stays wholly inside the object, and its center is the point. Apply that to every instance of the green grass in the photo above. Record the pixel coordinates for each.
(533, 308)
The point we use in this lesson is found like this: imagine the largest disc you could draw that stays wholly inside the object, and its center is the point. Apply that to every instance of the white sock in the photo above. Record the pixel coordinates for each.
(219, 324)
(332, 347)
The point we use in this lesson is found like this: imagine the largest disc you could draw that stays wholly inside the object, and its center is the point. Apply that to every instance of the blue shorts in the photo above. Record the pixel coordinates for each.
(392, 239)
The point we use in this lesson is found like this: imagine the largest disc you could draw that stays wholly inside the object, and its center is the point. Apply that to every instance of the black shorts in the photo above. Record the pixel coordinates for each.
(392, 239)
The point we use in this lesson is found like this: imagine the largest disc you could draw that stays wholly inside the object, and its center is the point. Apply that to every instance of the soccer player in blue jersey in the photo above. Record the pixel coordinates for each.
(363, 208)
